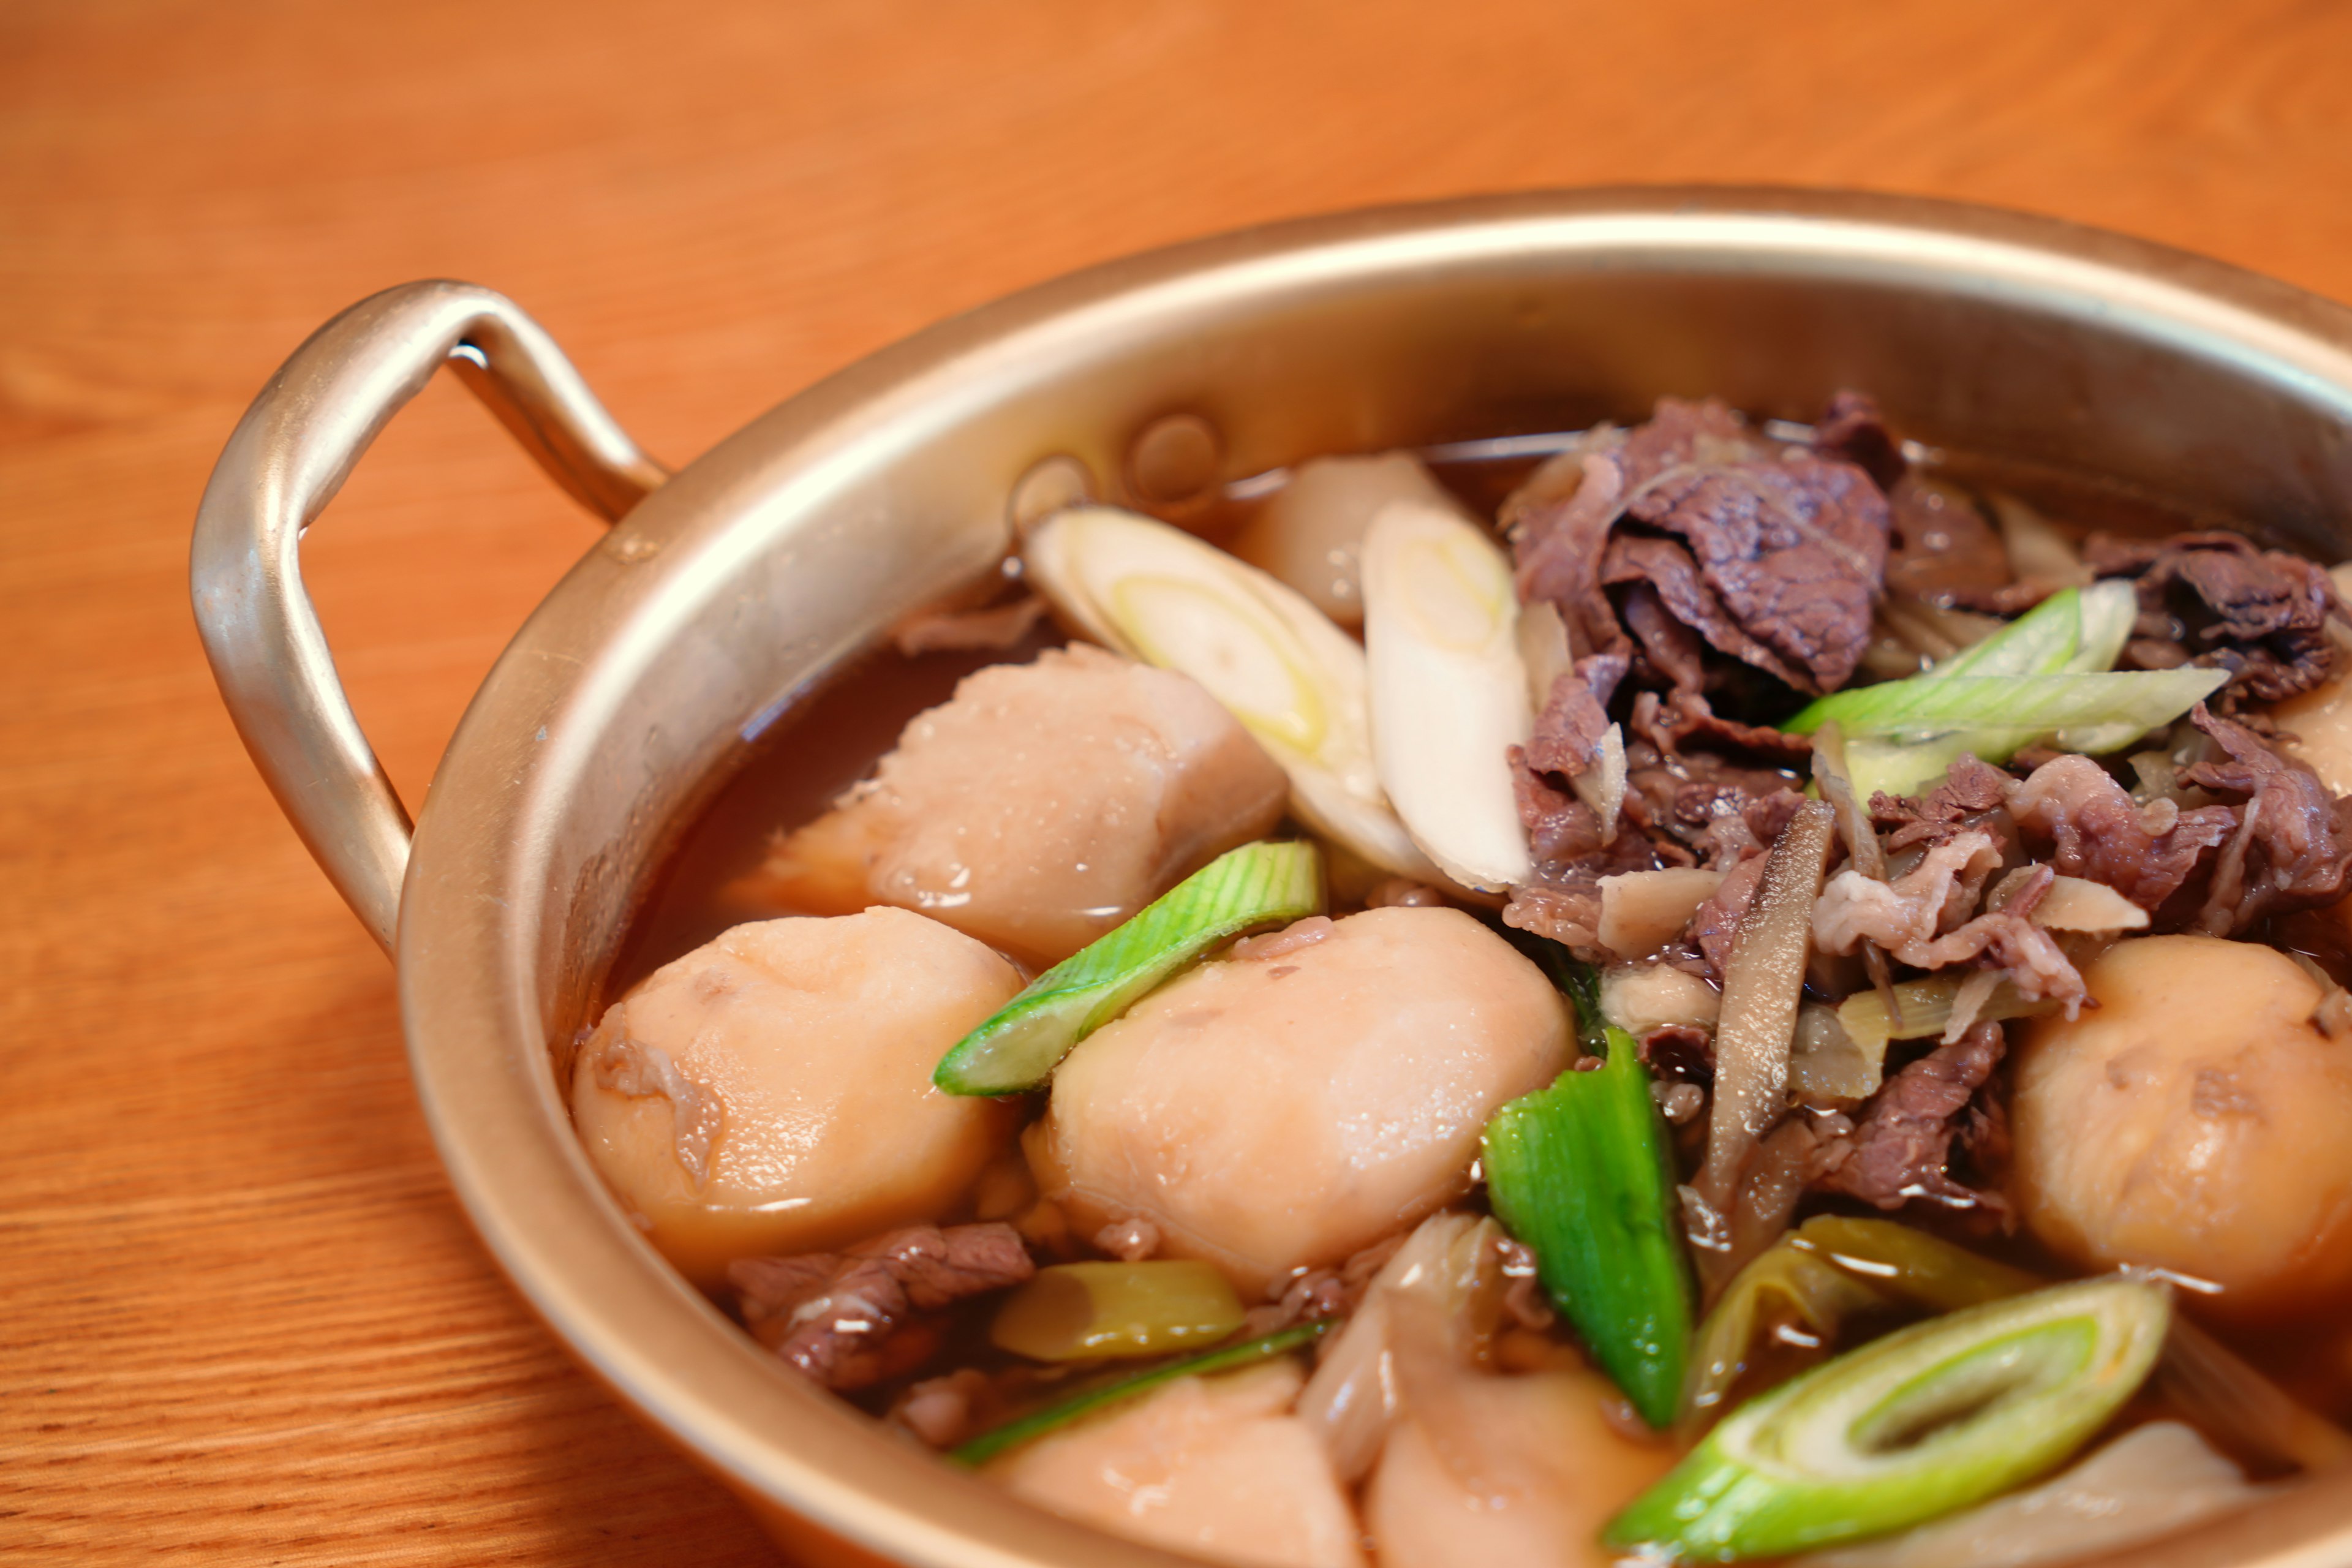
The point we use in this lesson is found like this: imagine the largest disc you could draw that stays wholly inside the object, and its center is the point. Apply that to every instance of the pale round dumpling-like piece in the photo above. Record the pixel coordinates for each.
(771, 1092)
(1281, 1112)
(2198, 1121)
(1038, 808)
(1214, 1468)
(1548, 1470)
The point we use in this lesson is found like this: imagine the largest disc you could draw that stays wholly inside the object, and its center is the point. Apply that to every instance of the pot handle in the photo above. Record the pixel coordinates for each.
(290, 454)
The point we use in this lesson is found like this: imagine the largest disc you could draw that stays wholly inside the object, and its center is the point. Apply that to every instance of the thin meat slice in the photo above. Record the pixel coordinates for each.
(1558, 540)
(841, 1318)
(2293, 844)
(1901, 1143)
(1791, 542)
(1970, 789)
(2092, 828)
(2221, 601)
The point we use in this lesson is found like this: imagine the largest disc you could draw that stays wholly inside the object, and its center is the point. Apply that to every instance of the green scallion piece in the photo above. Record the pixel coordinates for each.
(988, 1445)
(1920, 1424)
(2039, 642)
(1580, 1173)
(1017, 1049)
(1926, 707)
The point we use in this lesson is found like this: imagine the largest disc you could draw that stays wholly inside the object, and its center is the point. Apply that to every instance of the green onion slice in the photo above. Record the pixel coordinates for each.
(2024, 706)
(1256, 884)
(1013, 1433)
(1580, 1173)
(1908, 1428)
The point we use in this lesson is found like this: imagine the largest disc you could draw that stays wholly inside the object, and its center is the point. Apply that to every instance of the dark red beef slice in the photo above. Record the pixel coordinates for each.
(2224, 603)
(852, 1318)
(2293, 844)
(1790, 542)
(1901, 1143)
(1852, 430)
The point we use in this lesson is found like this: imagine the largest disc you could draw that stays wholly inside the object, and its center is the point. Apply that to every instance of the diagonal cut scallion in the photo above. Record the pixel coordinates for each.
(1580, 1173)
(1296, 682)
(1256, 884)
(2048, 675)
(1910, 1428)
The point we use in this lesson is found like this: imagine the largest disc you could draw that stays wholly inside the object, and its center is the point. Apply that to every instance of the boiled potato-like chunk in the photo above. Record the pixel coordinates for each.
(1042, 806)
(1275, 1113)
(771, 1092)
(2320, 721)
(1548, 1471)
(1213, 1467)
(2195, 1120)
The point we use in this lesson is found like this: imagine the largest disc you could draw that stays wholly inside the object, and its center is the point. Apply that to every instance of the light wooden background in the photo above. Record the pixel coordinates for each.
(241, 1319)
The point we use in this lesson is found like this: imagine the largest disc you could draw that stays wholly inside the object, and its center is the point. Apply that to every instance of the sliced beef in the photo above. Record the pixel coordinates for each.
(2220, 601)
(1575, 721)
(1679, 1053)
(1771, 554)
(2293, 842)
(852, 1318)
(1942, 550)
(2087, 825)
(1791, 542)
(1562, 897)
(1970, 789)
(1716, 926)
(1853, 429)
(1684, 719)
(1900, 1146)
(1558, 539)
(1926, 918)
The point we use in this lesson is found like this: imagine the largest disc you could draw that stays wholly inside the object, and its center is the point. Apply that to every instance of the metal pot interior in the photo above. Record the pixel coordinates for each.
(737, 586)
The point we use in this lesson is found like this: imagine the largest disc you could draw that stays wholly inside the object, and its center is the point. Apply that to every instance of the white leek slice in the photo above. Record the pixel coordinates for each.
(1449, 690)
(1294, 680)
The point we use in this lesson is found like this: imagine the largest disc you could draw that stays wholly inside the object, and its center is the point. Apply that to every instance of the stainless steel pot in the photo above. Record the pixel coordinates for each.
(726, 592)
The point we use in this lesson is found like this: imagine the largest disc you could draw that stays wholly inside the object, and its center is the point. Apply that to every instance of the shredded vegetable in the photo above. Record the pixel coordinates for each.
(1016, 1049)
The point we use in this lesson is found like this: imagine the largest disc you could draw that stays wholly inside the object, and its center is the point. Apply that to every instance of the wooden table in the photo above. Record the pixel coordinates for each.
(241, 1319)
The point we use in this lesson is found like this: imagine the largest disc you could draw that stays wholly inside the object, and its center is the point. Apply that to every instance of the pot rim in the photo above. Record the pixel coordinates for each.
(479, 903)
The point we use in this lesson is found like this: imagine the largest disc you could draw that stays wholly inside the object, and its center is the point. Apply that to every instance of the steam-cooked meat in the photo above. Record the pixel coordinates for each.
(1943, 551)
(1716, 926)
(1563, 899)
(1853, 429)
(1772, 553)
(2226, 603)
(1558, 542)
(2090, 827)
(835, 1316)
(1792, 542)
(1970, 790)
(1902, 1140)
(2293, 843)
(1684, 718)
(1679, 1053)
(1574, 723)
(1906, 915)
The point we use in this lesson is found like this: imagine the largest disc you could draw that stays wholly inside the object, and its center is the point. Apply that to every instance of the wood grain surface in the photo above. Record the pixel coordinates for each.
(241, 1317)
